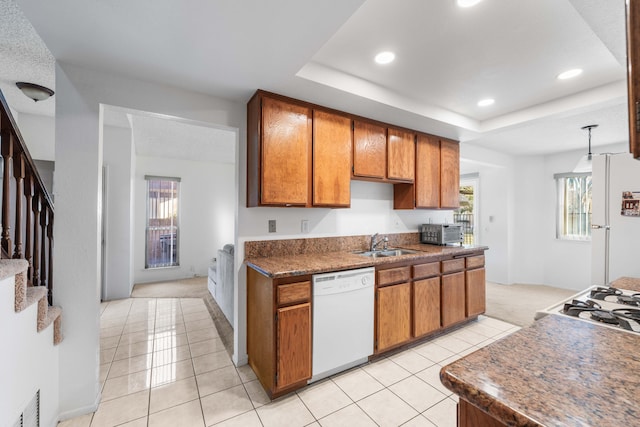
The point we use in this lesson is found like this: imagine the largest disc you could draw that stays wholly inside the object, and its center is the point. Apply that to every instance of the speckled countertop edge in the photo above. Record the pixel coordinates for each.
(560, 371)
(315, 263)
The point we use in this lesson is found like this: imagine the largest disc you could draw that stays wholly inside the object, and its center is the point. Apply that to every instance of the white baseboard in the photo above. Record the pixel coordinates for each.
(81, 411)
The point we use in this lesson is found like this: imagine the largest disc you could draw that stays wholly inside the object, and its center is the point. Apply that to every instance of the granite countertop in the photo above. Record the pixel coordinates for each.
(314, 263)
(560, 371)
(628, 283)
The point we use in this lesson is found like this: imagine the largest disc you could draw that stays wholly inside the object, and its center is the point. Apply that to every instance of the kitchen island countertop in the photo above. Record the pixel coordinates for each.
(560, 371)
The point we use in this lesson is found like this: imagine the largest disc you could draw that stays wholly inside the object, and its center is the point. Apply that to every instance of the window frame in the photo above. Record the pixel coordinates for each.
(175, 259)
(561, 210)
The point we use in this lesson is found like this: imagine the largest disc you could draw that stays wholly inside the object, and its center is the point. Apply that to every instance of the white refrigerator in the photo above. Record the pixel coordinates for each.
(615, 249)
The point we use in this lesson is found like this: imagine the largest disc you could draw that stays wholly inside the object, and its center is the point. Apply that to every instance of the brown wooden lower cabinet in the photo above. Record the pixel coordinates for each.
(294, 344)
(475, 289)
(426, 306)
(471, 416)
(279, 331)
(453, 298)
(393, 315)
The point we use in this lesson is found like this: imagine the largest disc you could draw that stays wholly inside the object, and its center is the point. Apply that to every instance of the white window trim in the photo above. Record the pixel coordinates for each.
(559, 182)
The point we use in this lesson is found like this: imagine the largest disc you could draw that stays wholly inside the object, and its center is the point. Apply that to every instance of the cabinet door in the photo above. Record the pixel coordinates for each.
(293, 344)
(476, 298)
(427, 172)
(633, 75)
(450, 174)
(332, 148)
(393, 315)
(286, 153)
(426, 306)
(401, 155)
(369, 150)
(453, 298)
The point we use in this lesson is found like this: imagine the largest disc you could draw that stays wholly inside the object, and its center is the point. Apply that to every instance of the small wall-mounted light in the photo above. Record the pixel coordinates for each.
(34, 91)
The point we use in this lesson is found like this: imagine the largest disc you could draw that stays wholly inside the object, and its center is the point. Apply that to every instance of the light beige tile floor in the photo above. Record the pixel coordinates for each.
(163, 364)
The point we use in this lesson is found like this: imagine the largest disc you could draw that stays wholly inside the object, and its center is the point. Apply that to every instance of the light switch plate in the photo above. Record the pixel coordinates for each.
(272, 226)
(304, 226)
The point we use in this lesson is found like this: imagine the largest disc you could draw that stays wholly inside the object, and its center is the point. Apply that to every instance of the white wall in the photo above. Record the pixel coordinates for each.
(567, 263)
(77, 243)
(38, 133)
(528, 214)
(518, 202)
(117, 146)
(79, 95)
(494, 203)
(371, 212)
(28, 362)
(207, 199)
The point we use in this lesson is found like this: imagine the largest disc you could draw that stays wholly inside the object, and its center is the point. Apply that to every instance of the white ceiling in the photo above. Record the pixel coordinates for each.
(153, 135)
(447, 58)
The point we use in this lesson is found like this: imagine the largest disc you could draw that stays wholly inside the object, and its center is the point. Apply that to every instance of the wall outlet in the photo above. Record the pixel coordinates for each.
(304, 226)
(272, 226)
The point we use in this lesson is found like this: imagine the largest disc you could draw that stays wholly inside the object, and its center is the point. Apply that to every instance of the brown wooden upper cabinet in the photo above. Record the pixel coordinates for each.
(332, 146)
(401, 155)
(437, 181)
(305, 155)
(633, 77)
(369, 150)
(279, 135)
(427, 186)
(449, 174)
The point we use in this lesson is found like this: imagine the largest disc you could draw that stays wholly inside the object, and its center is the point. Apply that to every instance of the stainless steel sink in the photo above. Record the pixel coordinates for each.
(385, 253)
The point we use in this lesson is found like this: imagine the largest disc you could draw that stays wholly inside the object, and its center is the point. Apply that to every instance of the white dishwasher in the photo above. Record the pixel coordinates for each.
(342, 320)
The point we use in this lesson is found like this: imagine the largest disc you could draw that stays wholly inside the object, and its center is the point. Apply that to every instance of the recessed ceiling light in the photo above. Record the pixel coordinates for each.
(468, 3)
(385, 57)
(569, 74)
(486, 102)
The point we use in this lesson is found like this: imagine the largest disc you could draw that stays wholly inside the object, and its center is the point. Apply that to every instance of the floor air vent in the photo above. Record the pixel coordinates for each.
(30, 417)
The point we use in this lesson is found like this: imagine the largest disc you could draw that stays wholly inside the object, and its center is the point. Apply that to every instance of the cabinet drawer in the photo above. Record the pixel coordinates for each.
(294, 292)
(452, 265)
(393, 275)
(426, 270)
(475, 261)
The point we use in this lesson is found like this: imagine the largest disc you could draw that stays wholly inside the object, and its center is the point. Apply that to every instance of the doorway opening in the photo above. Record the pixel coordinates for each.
(467, 214)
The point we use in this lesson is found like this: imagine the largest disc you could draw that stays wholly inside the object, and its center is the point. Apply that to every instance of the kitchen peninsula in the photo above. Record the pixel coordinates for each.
(560, 371)
(418, 294)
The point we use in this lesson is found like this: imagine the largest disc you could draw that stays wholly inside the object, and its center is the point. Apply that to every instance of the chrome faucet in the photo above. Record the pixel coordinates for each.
(374, 244)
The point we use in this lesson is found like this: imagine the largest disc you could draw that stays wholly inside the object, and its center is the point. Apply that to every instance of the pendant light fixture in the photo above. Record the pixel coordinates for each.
(585, 165)
(34, 91)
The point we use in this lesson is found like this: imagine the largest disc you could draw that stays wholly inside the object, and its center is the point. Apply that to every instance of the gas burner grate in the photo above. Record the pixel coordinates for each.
(633, 300)
(627, 317)
(575, 307)
(604, 317)
(601, 293)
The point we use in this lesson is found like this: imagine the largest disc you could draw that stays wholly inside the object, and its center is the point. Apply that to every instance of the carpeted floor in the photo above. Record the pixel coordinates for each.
(195, 287)
(518, 304)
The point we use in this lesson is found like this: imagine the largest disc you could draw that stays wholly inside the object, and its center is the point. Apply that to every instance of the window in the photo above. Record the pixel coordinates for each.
(574, 206)
(163, 195)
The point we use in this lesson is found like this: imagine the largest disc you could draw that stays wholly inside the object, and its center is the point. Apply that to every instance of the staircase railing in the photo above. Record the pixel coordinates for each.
(27, 207)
